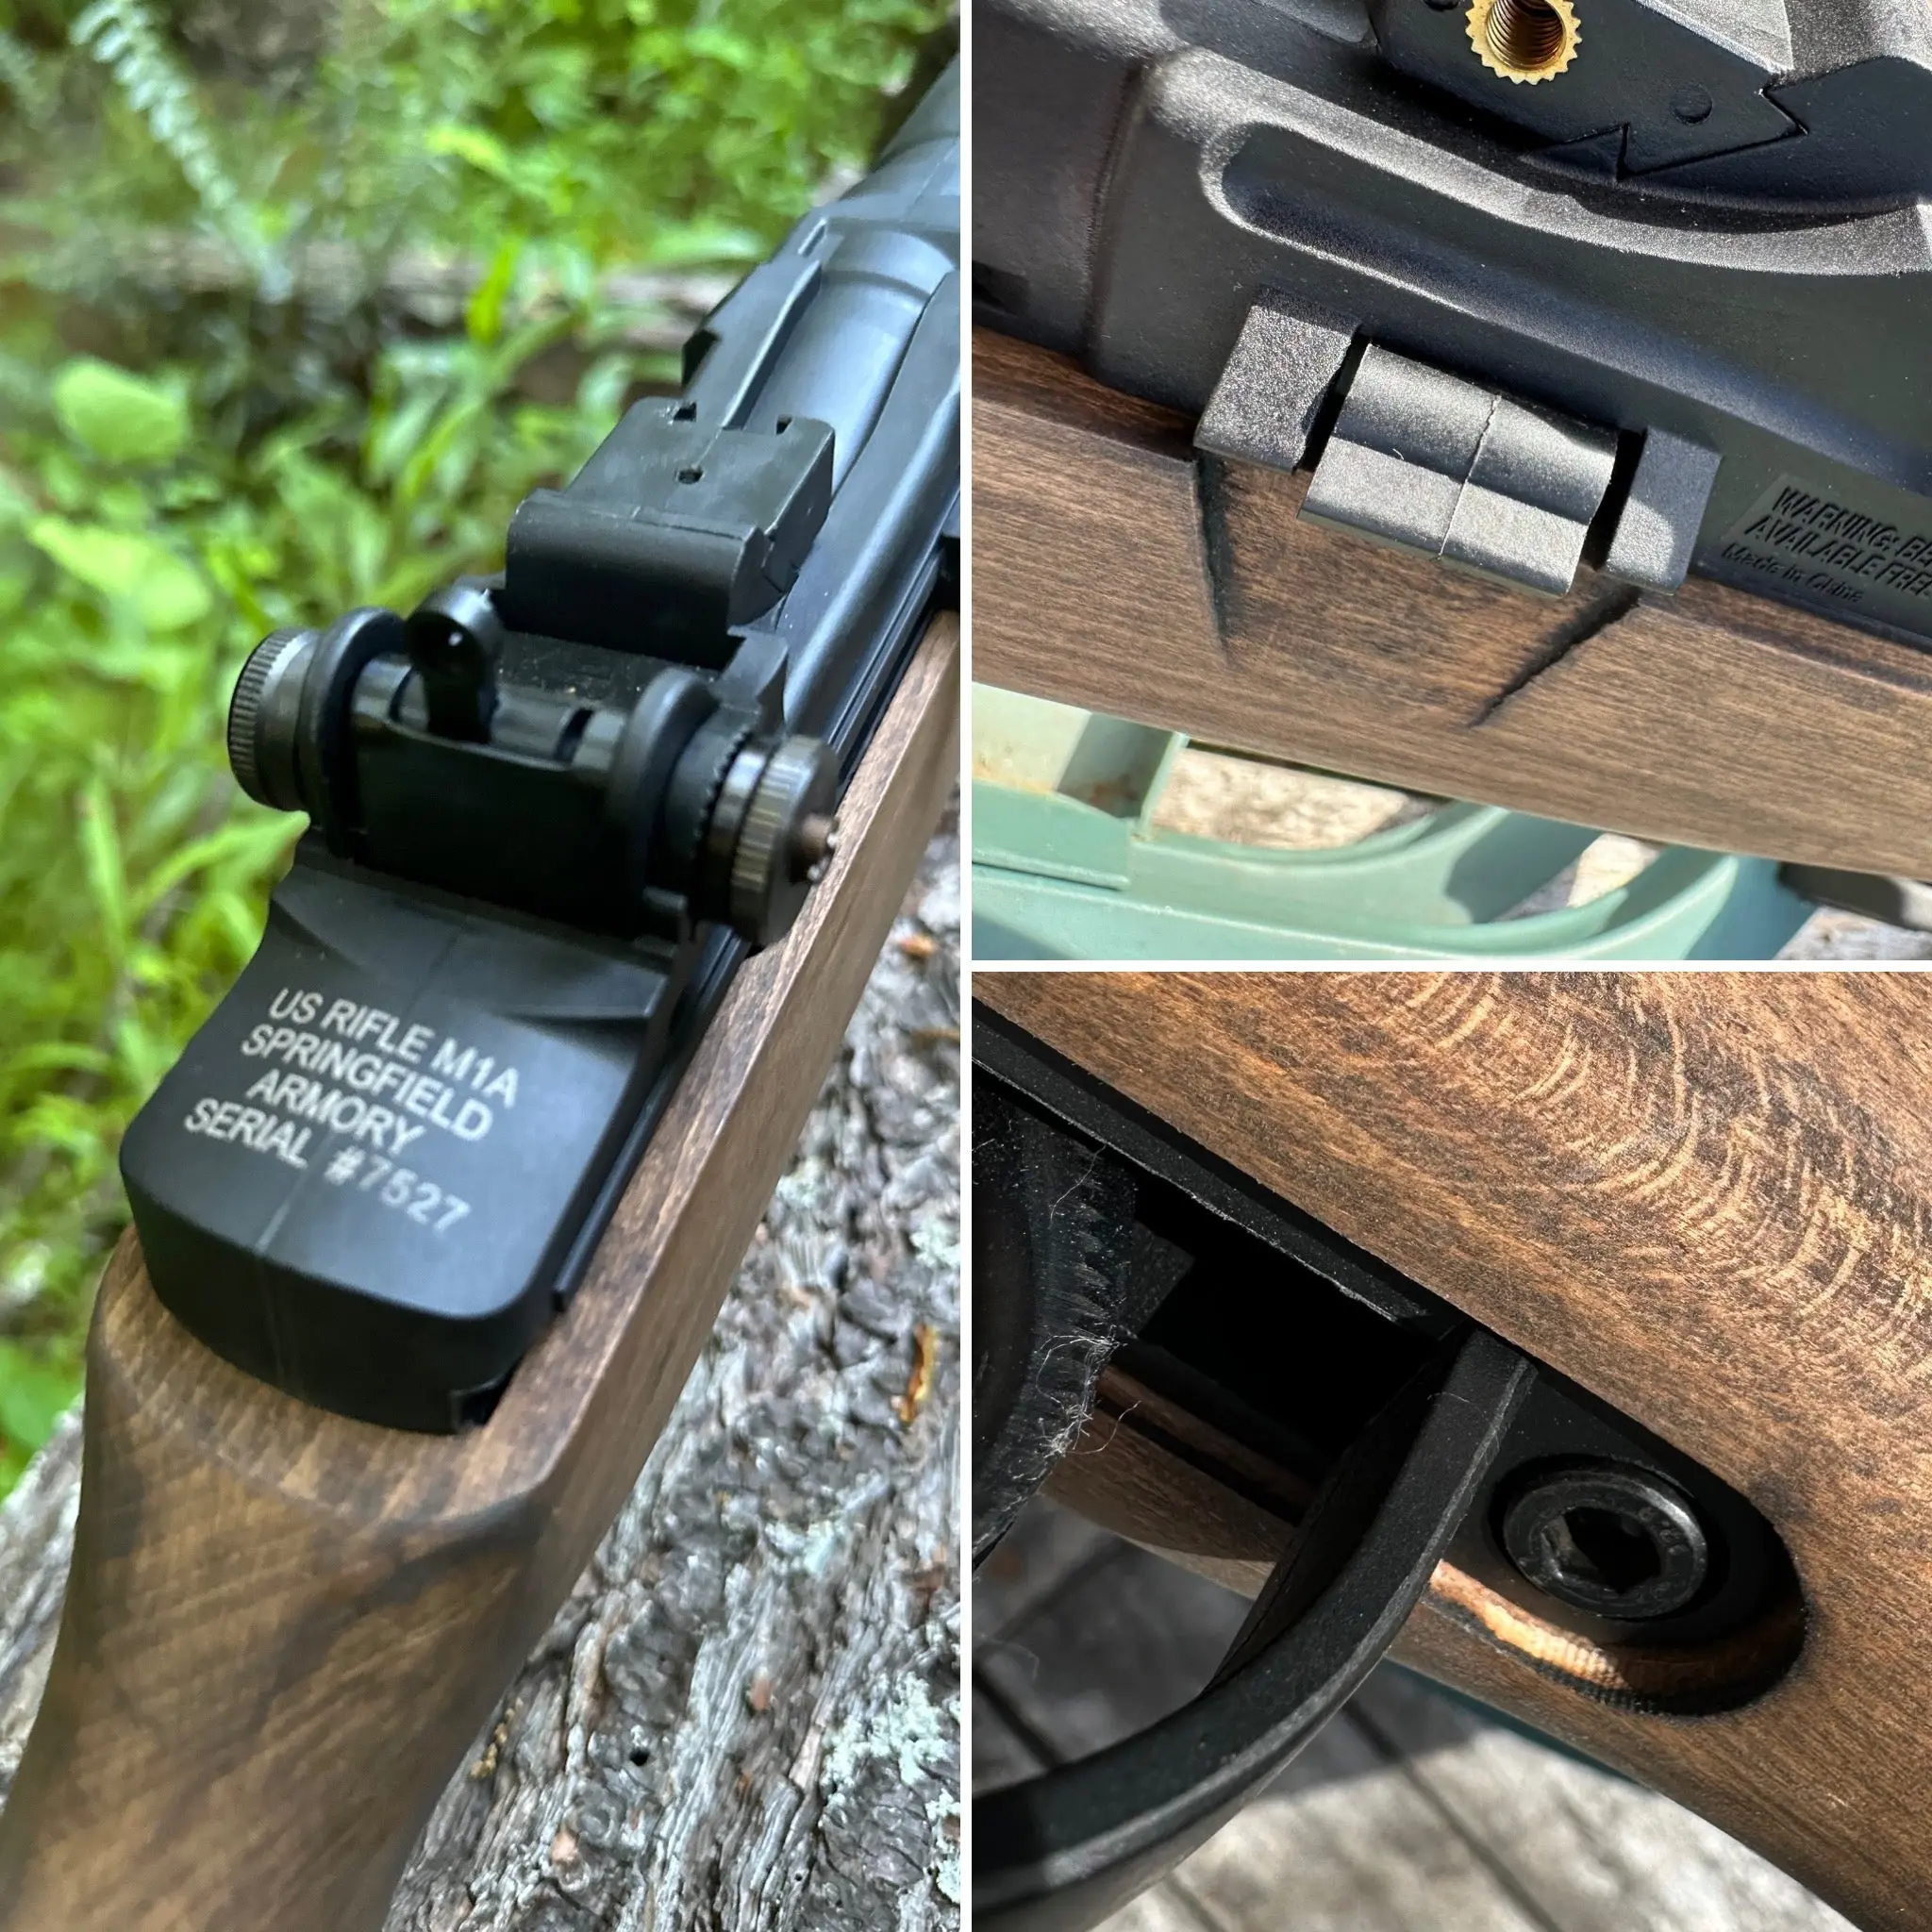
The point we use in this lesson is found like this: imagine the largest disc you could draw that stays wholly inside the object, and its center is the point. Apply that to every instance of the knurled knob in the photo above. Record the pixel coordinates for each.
(262, 719)
(785, 840)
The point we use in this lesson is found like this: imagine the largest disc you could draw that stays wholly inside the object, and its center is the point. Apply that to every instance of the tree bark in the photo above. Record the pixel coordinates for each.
(430, 286)
(747, 1713)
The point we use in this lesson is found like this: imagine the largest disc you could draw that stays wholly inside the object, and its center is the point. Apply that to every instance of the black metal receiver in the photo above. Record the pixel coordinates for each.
(1642, 283)
(551, 812)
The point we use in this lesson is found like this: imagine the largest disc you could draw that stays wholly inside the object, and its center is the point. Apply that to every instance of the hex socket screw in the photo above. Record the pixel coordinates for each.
(1609, 1539)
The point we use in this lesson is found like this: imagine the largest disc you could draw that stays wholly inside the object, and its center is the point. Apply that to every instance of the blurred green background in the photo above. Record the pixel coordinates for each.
(297, 299)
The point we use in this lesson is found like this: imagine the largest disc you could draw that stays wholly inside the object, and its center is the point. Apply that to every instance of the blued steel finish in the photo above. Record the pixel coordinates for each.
(1707, 237)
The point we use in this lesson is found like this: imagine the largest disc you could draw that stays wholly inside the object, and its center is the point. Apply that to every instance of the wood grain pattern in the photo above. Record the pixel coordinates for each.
(1112, 570)
(283, 1629)
(1705, 1196)
(1126, 1473)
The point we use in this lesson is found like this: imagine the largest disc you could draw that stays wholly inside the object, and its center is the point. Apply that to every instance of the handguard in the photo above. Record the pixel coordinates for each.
(1644, 285)
(551, 812)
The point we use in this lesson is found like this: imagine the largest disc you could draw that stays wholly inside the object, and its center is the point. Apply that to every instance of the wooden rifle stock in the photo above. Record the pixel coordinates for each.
(1116, 569)
(282, 1628)
(1704, 1196)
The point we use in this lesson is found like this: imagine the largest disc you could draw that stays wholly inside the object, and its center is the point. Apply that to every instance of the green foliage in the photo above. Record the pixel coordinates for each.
(119, 417)
(234, 460)
(651, 131)
(34, 1392)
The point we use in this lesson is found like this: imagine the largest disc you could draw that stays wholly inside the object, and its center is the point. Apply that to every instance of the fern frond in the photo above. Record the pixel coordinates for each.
(22, 75)
(121, 35)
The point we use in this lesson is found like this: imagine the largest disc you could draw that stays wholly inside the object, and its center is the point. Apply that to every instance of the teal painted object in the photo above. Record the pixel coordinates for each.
(1067, 864)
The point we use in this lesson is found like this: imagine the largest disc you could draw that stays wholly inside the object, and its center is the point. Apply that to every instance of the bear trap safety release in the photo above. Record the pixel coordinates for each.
(550, 813)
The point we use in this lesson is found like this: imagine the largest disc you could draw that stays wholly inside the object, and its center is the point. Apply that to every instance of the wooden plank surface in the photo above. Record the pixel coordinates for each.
(282, 1628)
(1113, 571)
(698, 1738)
(1702, 1195)
(1412, 1812)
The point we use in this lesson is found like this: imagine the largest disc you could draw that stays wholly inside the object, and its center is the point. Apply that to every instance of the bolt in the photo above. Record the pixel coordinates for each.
(1618, 1541)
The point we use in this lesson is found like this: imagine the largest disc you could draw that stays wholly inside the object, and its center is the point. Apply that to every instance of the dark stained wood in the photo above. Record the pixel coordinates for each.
(1705, 1196)
(1127, 1474)
(282, 1629)
(1113, 571)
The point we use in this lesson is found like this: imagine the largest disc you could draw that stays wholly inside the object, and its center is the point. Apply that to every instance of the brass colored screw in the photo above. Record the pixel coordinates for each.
(1524, 41)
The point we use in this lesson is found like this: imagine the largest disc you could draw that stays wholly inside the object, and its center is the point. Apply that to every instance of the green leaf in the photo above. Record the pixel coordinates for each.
(165, 593)
(692, 245)
(121, 417)
(55, 1053)
(16, 506)
(34, 1395)
(482, 150)
(107, 874)
(255, 842)
(485, 317)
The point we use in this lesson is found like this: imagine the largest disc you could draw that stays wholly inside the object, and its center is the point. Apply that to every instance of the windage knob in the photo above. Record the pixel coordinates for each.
(787, 839)
(263, 716)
